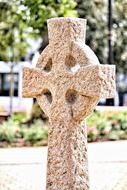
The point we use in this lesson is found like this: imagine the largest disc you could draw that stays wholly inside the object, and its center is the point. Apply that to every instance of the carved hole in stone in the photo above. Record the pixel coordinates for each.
(71, 64)
(71, 96)
(48, 95)
(48, 66)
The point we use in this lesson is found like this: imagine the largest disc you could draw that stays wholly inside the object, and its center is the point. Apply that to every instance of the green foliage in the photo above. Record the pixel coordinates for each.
(120, 34)
(12, 36)
(19, 118)
(101, 126)
(37, 112)
(36, 14)
(14, 133)
(8, 131)
(21, 20)
(35, 133)
(96, 13)
(107, 126)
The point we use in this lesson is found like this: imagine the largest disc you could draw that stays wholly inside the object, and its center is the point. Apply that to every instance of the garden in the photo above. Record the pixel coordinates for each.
(20, 20)
(20, 130)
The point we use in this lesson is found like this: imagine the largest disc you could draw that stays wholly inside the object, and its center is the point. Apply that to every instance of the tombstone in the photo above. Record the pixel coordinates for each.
(68, 82)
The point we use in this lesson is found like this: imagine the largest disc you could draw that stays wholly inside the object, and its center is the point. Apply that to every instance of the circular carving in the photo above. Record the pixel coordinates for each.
(48, 66)
(71, 96)
(70, 61)
(71, 64)
(48, 95)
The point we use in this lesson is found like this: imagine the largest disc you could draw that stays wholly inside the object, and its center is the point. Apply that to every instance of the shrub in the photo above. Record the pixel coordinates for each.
(35, 133)
(101, 126)
(38, 113)
(13, 132)
(19, 118)
(109, 126)
(8, 131)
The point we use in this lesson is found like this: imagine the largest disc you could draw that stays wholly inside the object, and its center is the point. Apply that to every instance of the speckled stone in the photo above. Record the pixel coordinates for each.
(68, 82)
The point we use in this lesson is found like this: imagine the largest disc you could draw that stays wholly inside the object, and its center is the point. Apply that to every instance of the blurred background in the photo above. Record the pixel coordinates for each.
(23, 36)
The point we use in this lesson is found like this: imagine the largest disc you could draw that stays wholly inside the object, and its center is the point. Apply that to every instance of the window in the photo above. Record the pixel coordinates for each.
(5, 84)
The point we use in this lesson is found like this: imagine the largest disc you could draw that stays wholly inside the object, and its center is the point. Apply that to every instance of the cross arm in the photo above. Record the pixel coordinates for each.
(95, 80)
(32, 82)
(107, 77)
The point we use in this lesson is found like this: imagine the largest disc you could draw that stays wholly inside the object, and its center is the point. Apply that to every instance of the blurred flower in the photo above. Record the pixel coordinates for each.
(17, 131)
(93, 130)
(116, 125)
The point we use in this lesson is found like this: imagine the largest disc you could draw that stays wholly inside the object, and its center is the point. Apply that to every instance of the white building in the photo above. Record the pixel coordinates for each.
(19, 103)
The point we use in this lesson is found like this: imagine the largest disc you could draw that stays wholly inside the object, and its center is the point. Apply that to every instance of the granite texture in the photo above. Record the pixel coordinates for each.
(68, 82)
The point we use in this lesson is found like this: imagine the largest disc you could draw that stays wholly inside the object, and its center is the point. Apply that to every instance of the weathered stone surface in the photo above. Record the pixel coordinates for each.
(68, 82)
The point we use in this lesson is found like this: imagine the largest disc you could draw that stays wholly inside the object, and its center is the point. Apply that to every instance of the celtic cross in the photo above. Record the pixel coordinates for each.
(68, 82)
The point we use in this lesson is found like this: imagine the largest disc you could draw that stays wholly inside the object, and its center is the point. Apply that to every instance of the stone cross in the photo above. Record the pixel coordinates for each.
(68, 82)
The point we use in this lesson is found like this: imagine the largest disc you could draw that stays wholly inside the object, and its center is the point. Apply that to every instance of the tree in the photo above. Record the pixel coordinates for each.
(12, 41)
(96, 11)
(12, 37)
(21, 19)
(36, 15)
(120, 35)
